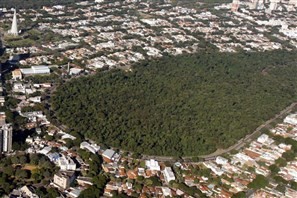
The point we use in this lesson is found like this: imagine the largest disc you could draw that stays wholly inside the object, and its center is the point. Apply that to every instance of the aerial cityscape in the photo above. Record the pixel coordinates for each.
(148, 98)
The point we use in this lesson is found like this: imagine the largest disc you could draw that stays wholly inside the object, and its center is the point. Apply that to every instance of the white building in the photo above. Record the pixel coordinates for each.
(291, 119)
(19, 87)
(152, 165)
(26, 191)
(2, 100)
(6, 138)
(168, 174)
(75, 71)
(110, 155)
(36, 70)
(214, 168)
(166, 192)
(66, 163)
(36, 99)
(45, 150)
(263, 138)
(63, 179)
(93, 148)
(221, 160)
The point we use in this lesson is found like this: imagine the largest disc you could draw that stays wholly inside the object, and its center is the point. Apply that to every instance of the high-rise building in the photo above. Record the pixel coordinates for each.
(6, 138)
(235, 6)
(14, 27)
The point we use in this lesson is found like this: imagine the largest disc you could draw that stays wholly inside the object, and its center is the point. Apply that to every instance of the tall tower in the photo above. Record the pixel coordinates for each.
(7, 138)
(14, 26)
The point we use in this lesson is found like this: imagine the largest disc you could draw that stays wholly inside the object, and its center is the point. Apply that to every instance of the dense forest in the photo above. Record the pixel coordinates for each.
(34, 4)
(185, 105)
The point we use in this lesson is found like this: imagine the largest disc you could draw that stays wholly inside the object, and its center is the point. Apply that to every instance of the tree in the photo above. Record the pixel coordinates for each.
(140, 179)
(23, 174)
(293, 185)
(274, 169)
(100, 181)
(281, 162)
(239, 195)
(186, 105)
(23, 159)
(53, 193)
(49, 137)
(9, 170)
(289, 155)
(91, 192)
(259, 182)
(15, 159)
(34, 158)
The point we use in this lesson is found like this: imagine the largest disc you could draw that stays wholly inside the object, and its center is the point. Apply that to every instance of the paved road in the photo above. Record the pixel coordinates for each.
(241, 143)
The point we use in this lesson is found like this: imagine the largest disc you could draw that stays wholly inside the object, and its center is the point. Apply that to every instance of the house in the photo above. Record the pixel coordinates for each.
(132, 174)
(110, 155)
(168, 174)
(166, 192)
(74, 192)
(36, 99)
(75, 71)
(291, 119)
(93, 148)
(221, 160)
(38, 130)
(263, 138)
(19, 87)
(64, 179)
(84, 181)
(28, 192)
(17, 74)
(53, 157)
(29, 140)
(152, 165)
(45, 150)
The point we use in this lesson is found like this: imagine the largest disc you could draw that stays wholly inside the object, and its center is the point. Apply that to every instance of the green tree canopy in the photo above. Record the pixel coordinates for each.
(179, 106)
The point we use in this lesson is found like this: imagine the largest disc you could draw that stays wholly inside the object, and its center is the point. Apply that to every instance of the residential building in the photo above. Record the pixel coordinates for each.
(2, 100)
(152, 165)
(168, 174)
(2, 118)
(235, 6)
(93, 148)
(6, 138)
(291, 119)
(221, 160)
(17, 74)
(64, 179)
(66, 163)
(108, 155)
(28, 192)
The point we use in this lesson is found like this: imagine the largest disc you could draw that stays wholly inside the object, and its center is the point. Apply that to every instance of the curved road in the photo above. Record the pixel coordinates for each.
(241, 143)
